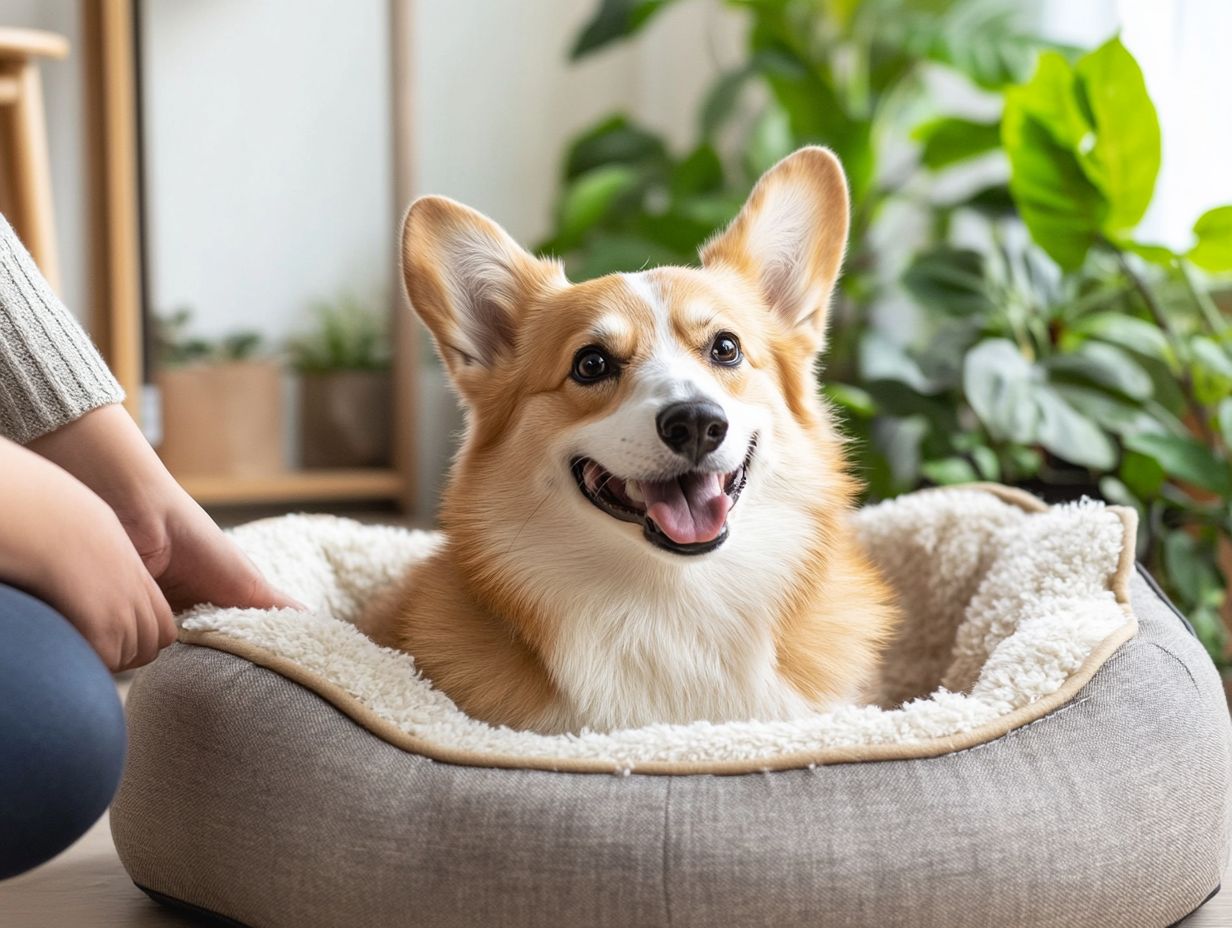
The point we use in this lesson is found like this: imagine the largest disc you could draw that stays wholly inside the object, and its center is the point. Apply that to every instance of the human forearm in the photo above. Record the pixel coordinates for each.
(106, 451)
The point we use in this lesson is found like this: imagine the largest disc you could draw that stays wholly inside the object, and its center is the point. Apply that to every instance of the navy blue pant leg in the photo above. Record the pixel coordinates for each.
(62, 734)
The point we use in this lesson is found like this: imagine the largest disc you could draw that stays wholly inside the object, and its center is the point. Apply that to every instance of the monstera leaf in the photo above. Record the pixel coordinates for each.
(1083, 143)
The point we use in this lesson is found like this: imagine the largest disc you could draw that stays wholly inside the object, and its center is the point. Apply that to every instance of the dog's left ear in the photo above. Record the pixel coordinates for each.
(790, 237)
(469, 282)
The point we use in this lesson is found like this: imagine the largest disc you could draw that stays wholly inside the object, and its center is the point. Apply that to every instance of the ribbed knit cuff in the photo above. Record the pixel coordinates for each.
(50, 372)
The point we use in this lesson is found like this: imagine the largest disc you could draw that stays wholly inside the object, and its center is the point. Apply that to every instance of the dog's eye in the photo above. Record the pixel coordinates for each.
(725, 350)
(591, 364)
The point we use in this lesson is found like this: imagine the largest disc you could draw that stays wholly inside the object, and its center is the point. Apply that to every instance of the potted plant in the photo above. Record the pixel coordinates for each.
(345, 387)
(222, 404)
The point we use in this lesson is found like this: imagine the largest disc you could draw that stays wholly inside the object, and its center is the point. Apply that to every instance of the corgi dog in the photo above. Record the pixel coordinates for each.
(645, 522)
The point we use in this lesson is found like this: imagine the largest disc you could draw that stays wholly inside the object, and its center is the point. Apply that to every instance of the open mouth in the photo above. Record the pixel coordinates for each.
(684, 514)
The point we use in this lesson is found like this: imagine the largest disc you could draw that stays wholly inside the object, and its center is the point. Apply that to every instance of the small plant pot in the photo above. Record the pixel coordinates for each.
(222, 419)
(345, 419)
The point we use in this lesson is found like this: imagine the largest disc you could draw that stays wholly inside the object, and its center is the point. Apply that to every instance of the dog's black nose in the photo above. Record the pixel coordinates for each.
(693, 428)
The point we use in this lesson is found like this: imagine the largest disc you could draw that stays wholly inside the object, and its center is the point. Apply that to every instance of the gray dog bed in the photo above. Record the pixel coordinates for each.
(1052, 747)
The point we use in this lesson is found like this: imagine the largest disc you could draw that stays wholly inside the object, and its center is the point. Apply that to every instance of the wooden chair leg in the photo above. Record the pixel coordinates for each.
(31, 170)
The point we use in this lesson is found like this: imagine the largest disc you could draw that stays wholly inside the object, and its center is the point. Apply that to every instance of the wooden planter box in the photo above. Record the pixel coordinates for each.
(222, 419)
(345, 419)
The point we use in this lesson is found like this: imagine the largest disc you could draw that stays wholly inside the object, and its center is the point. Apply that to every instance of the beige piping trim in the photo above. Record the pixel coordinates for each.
(932, 747)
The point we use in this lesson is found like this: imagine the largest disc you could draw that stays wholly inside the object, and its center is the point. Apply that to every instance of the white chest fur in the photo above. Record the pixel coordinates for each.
(672, 646)
(635, 665)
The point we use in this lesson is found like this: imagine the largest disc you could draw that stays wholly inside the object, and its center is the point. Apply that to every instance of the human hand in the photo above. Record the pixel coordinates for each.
(184, 551)
(62, 543)
(191, 558)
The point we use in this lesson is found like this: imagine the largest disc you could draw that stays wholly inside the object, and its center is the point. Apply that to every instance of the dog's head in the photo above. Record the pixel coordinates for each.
(633, 412)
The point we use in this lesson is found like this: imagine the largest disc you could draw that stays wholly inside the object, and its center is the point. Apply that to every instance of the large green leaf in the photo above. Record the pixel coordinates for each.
(1213, 250)
(1060, 206)
(1001, 385)
(1123, 160)
(1070, 435)
(1084, 150)
(614, 20)
(950, 140)
(1185, 459)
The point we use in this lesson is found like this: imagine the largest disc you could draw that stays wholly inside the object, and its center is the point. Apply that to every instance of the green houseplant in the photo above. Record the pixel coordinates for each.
(221, 401)
(345, 389)
(1035, 339)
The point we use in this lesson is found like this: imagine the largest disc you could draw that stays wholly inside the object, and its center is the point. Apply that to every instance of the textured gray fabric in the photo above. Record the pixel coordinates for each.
(50, 373)
(252, 797)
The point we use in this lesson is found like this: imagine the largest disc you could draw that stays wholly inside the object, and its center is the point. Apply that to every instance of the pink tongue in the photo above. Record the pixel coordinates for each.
(690, 509)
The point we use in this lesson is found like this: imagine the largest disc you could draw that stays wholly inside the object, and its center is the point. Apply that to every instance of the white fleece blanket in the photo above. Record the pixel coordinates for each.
(1003, 606)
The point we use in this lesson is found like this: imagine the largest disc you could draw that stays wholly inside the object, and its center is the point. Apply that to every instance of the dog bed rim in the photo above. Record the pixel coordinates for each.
(931, 747)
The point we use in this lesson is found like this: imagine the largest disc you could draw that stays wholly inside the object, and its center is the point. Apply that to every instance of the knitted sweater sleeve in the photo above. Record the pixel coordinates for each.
(50, 372)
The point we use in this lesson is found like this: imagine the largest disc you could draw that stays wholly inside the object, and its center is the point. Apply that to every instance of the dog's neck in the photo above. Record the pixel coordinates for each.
(630, 636)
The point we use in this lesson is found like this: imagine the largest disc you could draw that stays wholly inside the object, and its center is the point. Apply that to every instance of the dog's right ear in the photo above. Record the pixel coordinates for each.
(468, 281)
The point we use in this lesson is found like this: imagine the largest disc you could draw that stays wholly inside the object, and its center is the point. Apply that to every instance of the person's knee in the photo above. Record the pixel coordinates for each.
(62, 735)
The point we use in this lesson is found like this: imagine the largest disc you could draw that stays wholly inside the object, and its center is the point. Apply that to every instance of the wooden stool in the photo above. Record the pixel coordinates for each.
(25, 178)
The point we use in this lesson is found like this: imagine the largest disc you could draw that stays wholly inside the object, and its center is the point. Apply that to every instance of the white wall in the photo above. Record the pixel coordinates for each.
(268, 163)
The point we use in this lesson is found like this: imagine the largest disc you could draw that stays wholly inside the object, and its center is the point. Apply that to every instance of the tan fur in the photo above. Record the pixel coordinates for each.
(481, 626)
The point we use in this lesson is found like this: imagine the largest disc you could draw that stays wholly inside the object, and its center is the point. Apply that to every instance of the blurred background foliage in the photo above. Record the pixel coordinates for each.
(1018, 331)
